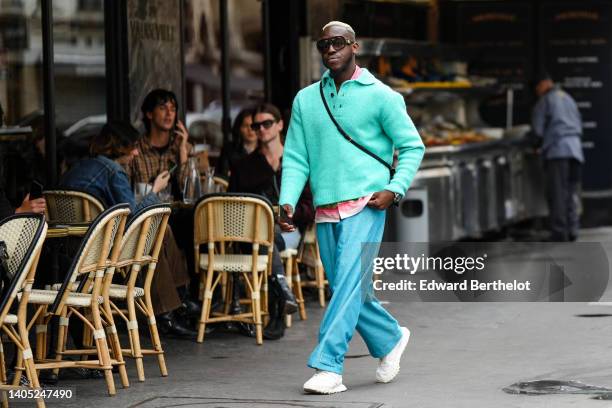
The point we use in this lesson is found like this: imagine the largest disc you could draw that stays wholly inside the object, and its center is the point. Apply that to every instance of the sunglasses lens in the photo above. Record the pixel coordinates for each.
(338, 43)
(322, 45)
(267, 124)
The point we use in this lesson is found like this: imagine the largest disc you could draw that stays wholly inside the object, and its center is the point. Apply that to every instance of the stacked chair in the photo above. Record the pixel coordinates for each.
(130, 250)
(23, 235)
(140, 249)
(225, 218)
(84, 294)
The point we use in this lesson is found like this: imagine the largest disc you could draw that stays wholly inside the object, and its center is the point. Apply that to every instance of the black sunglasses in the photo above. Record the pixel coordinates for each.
(267, 124)
(338, 43)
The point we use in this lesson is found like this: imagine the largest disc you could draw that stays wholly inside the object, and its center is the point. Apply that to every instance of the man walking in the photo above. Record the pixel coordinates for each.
(352, 188)
(557, 121)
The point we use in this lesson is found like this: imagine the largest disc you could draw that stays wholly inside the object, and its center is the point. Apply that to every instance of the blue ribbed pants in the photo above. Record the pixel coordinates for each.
(352, 305)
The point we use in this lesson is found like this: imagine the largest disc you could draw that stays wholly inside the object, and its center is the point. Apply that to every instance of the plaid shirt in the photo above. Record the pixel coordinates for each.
(150, 162)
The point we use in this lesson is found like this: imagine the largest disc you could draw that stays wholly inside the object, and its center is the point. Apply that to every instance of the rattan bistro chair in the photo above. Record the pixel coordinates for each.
(70, 206)
(140, 249)
(94, 263)
(231, 217)
(23, 235)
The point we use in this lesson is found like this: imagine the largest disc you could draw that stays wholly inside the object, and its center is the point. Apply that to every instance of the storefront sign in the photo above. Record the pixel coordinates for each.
(499, 34)
(154, 40)
(575, 49)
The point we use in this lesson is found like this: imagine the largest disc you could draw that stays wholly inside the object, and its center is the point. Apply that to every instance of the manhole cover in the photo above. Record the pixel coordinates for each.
(543, 387)
(188, 402)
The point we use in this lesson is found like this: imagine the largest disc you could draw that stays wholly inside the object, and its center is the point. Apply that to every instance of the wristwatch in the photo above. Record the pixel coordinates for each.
(397, 198)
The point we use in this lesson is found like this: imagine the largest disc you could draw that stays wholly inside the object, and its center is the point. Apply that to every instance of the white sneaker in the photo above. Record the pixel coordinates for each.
(324, 382)
(389, 365)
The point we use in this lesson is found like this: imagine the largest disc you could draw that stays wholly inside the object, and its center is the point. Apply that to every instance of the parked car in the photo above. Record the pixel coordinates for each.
(203, 127)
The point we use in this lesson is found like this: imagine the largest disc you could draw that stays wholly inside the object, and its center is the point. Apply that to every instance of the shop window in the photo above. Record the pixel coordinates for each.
(90, 5)
(79, 54)
(20, 60)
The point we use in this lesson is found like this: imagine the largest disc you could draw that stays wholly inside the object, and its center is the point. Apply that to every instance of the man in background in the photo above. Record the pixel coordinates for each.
(556, 120)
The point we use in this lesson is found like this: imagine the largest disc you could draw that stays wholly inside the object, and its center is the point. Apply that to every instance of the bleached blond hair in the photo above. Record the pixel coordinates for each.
(339, 24)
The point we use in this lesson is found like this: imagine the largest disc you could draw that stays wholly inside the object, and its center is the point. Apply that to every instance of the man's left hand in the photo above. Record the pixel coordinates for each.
(181, 133)
(182, 137)
(381, 200)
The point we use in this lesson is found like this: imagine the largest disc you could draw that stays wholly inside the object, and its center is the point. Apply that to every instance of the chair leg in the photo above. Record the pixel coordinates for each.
(228, 298)
(161, 359)
(115, 345)
(264, 307)
(297, 290)
(62, 336)
(155, 340)
(18, 368)
(256, 301)
(3, 378)
(135, 337)
(41, 335)
(289, 279)
(224, 293)
(33, 379)
(320, 279)
(104, 355)
(105, 363)
(102, 349)
(205, 306)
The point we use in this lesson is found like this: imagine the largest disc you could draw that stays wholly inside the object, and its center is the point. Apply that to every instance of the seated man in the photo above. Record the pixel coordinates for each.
(164, 144)
(260, 173)
(103, 176)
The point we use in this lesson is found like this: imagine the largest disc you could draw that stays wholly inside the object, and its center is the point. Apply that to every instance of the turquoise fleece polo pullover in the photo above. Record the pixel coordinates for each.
(374, 116)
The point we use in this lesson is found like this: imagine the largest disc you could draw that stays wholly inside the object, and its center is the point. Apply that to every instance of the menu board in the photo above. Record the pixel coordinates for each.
(499, 38)
(575, 49)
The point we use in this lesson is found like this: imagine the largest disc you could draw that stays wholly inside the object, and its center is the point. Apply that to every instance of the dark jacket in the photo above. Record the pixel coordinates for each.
(6, 209)
(230, 155)
(253, 174)
(105, 179)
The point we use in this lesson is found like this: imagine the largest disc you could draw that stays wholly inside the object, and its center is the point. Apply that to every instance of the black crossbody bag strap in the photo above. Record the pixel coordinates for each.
(350, 139)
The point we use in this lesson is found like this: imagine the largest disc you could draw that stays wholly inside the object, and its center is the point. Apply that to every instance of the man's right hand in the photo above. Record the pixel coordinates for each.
(161, 181)
(286, 226)
(37, 205)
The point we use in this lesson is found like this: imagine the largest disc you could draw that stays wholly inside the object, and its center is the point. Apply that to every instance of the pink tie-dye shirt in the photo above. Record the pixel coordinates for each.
(344, 209)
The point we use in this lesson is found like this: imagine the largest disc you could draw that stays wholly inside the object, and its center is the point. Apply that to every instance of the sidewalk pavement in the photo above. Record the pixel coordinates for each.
(460, 355)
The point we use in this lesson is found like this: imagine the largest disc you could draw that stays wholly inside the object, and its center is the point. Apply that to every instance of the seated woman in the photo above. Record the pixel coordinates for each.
(244, 142)
(103, 176)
